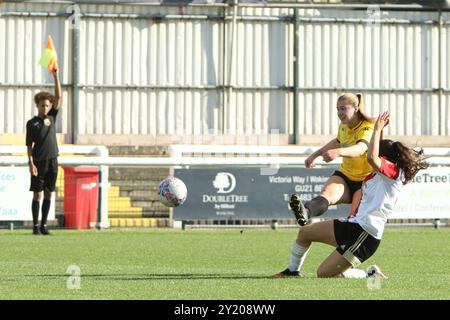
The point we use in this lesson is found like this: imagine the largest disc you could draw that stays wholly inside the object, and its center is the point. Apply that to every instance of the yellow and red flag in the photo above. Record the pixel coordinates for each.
(49, 57)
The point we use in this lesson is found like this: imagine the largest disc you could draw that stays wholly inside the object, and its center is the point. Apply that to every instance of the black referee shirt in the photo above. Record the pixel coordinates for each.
(42, 133)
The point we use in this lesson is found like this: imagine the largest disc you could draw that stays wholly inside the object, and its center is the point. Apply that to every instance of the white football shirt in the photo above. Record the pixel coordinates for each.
(380, 192)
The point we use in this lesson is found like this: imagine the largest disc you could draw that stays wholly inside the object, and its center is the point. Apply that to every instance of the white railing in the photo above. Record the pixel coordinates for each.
(298, 154)
(227, 156)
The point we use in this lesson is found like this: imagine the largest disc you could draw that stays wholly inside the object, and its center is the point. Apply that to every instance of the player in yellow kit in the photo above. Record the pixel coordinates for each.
(358, 237)
(344, 186)
(351, 143)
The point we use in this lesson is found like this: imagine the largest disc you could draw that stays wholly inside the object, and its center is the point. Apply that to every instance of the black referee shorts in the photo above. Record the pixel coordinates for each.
(354, 243)
(47, 174)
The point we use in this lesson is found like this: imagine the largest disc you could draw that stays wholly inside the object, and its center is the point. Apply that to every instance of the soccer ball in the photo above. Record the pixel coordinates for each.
(172, 192)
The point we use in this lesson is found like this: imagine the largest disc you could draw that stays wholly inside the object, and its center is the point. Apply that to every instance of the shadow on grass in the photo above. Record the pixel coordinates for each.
(155, 276)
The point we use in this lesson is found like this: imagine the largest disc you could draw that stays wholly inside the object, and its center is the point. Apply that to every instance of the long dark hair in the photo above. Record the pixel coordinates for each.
(408, 159)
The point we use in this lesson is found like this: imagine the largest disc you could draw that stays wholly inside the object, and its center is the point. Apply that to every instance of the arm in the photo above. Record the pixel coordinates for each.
(57, 102)
(350, 152)
(330, 145)
(29, 144)
(354, 151)
(31, 166)
(309, 162)
(374, 145)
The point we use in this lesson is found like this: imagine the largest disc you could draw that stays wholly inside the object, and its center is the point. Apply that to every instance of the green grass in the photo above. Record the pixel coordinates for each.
(211, 264)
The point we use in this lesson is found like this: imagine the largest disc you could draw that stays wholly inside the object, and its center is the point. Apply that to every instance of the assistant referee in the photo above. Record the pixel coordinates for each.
(42, 148)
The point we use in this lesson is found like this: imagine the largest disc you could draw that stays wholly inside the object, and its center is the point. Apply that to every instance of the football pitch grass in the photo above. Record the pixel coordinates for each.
(211, 264)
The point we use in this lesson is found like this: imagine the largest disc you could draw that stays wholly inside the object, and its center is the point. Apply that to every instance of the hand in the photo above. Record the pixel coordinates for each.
(382, 121)
(33, 170)
(309, 162)
(331, 154)
(56, 72)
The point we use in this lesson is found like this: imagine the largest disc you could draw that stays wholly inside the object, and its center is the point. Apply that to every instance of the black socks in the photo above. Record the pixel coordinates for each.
(35, 211)
(317, 206)
(45, 210)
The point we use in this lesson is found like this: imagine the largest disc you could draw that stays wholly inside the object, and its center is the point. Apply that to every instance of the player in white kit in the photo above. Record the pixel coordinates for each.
(357, 237)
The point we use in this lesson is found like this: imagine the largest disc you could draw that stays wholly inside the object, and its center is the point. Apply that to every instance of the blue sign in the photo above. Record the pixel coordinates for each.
(247, 193)
(15, 199)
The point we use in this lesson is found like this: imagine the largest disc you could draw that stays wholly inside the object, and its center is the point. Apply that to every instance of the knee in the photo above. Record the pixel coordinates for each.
(321, 273)
(325, 271)
(329, 196)
(302, 237)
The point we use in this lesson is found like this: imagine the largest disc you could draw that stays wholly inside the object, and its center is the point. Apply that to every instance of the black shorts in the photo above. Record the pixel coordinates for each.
(354, 243)
(46, 178)
(353, 185)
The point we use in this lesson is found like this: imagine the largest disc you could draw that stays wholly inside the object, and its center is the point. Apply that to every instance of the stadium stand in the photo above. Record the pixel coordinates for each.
(133, 199)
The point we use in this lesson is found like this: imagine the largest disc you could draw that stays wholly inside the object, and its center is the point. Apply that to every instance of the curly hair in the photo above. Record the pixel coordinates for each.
(408, 159)
(43, 95)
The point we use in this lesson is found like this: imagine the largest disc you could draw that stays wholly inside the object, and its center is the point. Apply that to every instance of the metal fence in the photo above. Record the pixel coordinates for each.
(154, 71)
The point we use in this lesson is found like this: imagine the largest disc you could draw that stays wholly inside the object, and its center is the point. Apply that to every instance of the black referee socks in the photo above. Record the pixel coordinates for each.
(45, 210)
(35, 211)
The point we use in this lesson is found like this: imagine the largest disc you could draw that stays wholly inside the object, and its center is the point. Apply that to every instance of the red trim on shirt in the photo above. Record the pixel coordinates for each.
(389, 169)
(370, 176)
(357, 208)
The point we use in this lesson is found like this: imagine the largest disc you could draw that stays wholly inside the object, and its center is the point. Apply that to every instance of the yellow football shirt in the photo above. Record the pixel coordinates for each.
(358, 168)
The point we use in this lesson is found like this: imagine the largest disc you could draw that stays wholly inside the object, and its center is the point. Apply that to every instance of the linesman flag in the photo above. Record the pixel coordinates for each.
(49, 57)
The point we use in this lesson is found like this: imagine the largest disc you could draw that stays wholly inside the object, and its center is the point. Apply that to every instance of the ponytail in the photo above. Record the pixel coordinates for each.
(361, 112)
(410, 160)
